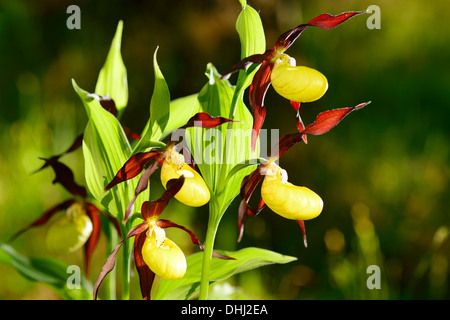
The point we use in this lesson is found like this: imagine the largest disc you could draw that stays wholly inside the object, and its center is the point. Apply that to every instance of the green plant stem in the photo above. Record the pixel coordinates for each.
(208, 250)
(111, 280)
(126, 275)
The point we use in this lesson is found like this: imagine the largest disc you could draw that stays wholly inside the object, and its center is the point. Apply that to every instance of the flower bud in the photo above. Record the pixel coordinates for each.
(297, 83)
(195, 192)
(70, 231)
(164, 258)
(288, 200)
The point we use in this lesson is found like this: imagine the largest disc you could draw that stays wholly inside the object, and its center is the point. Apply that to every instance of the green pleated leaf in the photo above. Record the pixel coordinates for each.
(112, 79)
(246, 259)
(217, 150)
(253, 41)
(52, 272)
(105, 151)
(181, 110)
(244, 165)
(159, 110)
(251, 32)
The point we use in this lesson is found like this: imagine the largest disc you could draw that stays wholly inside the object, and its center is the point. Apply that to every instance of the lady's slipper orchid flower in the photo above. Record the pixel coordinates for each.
(173, 167)
(194, 193)
(287, 200)
(295, 83)
(80, 225)
(69, 232)
(154, 253)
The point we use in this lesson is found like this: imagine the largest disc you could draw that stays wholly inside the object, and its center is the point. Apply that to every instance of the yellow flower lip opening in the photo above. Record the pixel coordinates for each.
(288, 200)
(195, 192)
(163, 256)
(297, 83)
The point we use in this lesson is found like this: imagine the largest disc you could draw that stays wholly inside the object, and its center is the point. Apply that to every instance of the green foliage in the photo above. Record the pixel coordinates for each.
(159, 109)
(392, 161)
(105, 149)
(52, 272)
(246, 260)
(216, 151)
(112, 80)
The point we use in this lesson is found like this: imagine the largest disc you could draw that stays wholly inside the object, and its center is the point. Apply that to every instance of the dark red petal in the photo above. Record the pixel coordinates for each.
(111, 261)
(257, 93)
(152, 209)
(324, 122)
(75, 145)
(244, 63)
(285, 143)
(204, 120)
(295, 105)
(259, 114)
(327, 120)
(45, 217)
(241, 218)
(146, 276)
(64, 175)
(106, 102)
(323, 21)
(169, 224)
(133, 167)
(244, 210)
(114, 221)
(328, 21)
(301, 223)
(287, 39)
(250, 182)
(300, 125)
(248, 186)
(93, 213)
(141, 186)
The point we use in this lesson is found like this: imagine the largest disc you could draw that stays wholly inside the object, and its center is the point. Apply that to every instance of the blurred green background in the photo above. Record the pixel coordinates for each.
(383, 173)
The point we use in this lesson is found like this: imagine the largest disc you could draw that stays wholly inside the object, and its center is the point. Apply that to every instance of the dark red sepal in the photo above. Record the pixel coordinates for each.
(153, 209)
(324, 122)
(323, 21)
(248, 186)
(301, 223)
(257, 92)
(64, 176)
(133, 167)
(141, 186)
(44, 218)
(106, 102)
(204, 120)
(246, 62)
(169, 224)
(299, 121)
(111, 261)
(327, 120)
(146, 276)
(329, 21)
(93, 214)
